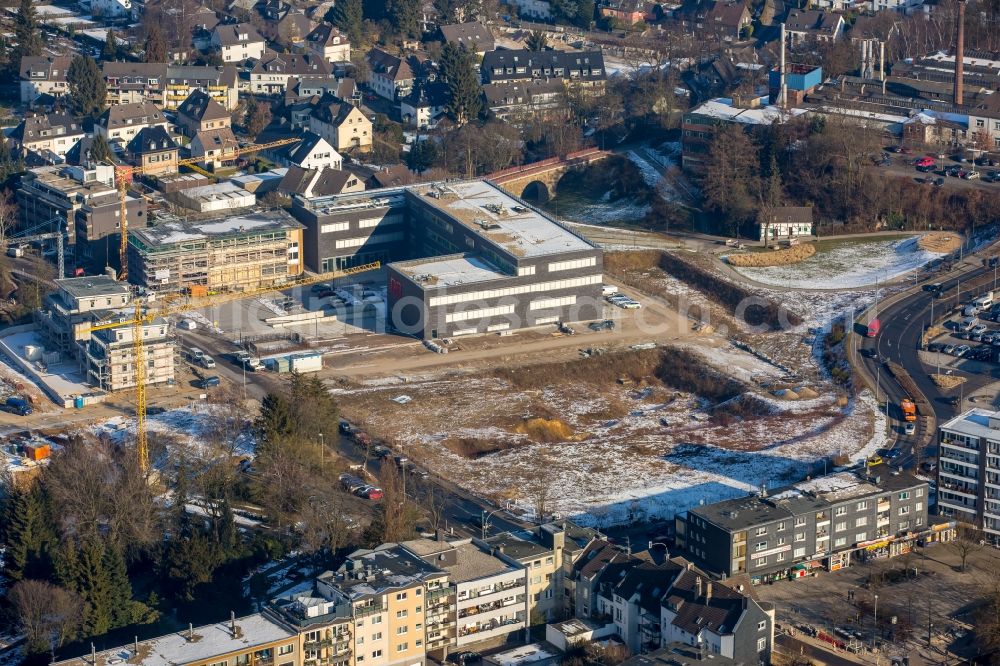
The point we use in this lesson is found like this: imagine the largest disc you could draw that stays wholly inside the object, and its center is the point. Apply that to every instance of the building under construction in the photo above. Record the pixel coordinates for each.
(107, 356)
(235, 253)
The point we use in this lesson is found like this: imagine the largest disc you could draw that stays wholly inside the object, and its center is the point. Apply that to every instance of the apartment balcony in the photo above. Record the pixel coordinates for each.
(955, 444)
(492, 606)
(437, 593)
(482, 632)
(497, 594)
(962, 489)
(317, 644)
(370, 609)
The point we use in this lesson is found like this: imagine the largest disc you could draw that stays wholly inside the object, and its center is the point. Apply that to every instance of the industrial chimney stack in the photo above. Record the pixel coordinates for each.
(960, 53)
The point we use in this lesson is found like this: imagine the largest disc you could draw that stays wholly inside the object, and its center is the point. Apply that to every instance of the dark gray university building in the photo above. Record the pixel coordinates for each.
(469, 258)
(828, 522)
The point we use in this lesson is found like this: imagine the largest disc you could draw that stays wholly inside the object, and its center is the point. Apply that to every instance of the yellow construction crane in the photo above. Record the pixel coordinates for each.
(123, 178)
(140, 318)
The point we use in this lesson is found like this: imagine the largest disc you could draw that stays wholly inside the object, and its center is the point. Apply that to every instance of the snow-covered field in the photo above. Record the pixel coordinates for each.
(635, 452)
(846, 265)
(192, 426)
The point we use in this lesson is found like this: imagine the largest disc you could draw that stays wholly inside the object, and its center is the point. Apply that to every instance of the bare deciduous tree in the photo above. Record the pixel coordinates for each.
(48, 615)
(8, 215)
(968, 541)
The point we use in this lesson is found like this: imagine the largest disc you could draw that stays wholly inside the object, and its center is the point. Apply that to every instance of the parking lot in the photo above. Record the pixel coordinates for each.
(941, 169)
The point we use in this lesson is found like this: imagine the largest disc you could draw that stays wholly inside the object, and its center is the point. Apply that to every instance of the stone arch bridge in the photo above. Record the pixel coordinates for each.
(538, 179)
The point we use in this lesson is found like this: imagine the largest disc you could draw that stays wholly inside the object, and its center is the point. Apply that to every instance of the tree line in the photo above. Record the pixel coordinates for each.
(827, 163)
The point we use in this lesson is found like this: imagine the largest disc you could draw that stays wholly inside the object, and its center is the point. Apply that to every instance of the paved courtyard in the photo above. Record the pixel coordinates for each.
(920, 593)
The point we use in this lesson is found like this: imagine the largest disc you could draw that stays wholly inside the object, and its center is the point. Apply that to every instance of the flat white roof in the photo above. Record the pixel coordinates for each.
(522, 231)
(975, 423)
(213, 640)
(525, 654)
(179, 231)
(450, 271)
(224, 190)
(723, 109)
(835, 486)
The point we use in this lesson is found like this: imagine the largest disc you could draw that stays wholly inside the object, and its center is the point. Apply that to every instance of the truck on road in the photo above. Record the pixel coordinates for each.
(873, 328)
(909, 409)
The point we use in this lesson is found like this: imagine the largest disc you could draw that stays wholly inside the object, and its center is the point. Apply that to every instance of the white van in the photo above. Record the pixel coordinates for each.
(608, 289)
(967, 323)
(984, 302)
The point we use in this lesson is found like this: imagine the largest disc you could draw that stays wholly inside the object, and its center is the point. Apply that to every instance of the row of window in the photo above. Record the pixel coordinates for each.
(552, 303)
(570, 265)
(374, 238)
(479, 314)
(554, 285)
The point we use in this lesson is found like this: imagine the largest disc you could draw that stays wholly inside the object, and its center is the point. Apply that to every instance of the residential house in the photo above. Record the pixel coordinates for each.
(154, 151)
(812, 26)
(389, 76)
(582, 575)
(311, 183)
(275, 10)
(200, 113)
(393, 597)
(290, 30)
(548, 554)
(120, 123)
(930, 129)
(828, 523)
(626, 12)
(712, 615)
(312, 152)
(134, 82)
(630, 595)
(326, 629)
(487, 590)
(253, 639)
(215, 147)
(425, 104)
(221, 83)
(786, 223)
(49, 136)
(728, 19)
(578, 68)
(299, 91)
(111, 9)
(43, 75)
(343, 125)
(533, 9)
(168, 85)
(271, 74)
(237, 42)
(326, 42)
(474, 35)
(515, 101)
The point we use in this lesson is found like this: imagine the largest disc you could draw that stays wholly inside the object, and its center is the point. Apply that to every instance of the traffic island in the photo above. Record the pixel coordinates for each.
(947, 382)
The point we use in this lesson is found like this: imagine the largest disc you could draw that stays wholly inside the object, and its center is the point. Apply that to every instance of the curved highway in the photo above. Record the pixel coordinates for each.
(902, 324)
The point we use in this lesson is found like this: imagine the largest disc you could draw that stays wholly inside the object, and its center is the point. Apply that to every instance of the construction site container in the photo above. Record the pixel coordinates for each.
(307, 362)
(282, 364)
(37, 451)
(198, 290)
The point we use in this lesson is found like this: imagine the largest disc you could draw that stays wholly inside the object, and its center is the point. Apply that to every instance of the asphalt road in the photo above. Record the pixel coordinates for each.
(796, 648)
(902, 325)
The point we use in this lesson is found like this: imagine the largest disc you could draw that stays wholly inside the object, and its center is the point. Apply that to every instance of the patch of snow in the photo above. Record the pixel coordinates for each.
(848, 265)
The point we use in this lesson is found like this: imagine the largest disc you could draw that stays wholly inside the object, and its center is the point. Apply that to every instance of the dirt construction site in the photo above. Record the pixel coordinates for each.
(683, 402)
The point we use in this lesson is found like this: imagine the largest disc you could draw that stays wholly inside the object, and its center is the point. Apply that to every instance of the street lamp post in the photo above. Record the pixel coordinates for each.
(321, 450)
(875, 628)
(486, 521)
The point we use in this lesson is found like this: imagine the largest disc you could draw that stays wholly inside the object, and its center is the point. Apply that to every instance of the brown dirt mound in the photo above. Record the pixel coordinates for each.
(940, 241)
(790, 255)
(948, 381)
(546, 430)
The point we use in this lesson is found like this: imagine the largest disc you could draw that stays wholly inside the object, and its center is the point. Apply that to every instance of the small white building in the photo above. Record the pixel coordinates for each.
(312, 152)
(217, 197)
(111, 8)
(786, 222)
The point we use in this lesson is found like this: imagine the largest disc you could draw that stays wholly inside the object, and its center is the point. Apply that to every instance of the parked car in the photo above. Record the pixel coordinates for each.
(606, 325)
(206, 362)
(948, 349)
(207, 382)
(962, 350)
(971, 175)
(979, 329)
(910, 429)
